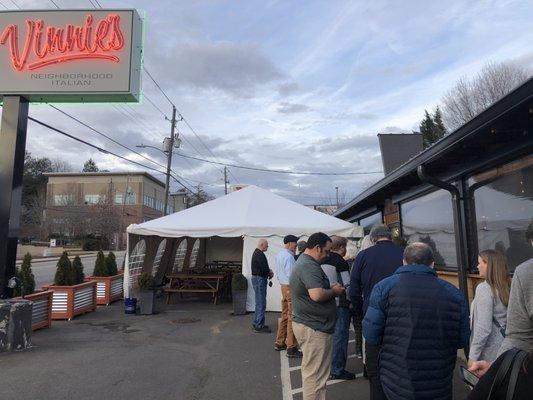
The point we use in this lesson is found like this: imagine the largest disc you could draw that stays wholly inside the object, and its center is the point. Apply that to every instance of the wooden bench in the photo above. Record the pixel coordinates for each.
(194, 283)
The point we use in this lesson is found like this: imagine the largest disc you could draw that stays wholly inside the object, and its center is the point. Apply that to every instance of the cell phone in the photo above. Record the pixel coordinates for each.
(468, 377)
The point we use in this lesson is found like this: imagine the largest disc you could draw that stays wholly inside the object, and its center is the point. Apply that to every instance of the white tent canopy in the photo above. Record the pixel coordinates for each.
(249, 213)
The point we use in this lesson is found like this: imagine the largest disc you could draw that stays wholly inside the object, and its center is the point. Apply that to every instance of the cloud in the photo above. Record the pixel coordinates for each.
(287, 88)
(238, 69)
(292, 108)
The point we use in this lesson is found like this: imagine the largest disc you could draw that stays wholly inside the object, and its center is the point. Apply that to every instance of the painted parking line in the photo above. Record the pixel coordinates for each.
(286, 388)
(329, 383)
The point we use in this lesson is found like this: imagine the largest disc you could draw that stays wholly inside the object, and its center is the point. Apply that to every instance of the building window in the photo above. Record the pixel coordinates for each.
(131, 199)
(149, 201)
(93, 198)
(504, 209)
(368, 222)
(429, 219)
(63, 199)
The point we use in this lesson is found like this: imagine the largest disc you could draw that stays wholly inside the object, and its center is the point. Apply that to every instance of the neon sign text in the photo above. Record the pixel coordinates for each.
(45, 46)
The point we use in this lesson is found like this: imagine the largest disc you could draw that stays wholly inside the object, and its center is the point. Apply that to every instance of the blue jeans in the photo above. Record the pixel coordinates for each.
(340, 340)
(260, 288)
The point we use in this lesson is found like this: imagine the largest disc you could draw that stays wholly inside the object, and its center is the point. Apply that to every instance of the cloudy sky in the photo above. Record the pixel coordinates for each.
(292, 85)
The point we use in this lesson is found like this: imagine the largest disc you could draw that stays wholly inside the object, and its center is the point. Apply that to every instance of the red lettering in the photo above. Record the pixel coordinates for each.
(41, 46)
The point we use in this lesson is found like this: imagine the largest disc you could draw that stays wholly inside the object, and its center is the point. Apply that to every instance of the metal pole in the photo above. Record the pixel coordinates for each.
(337, 194)
(225, 180)
(12, 149)
(460, 236)
(169, 158)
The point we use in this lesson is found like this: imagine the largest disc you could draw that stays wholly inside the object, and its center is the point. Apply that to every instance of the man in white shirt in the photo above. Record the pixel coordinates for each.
(284, 265)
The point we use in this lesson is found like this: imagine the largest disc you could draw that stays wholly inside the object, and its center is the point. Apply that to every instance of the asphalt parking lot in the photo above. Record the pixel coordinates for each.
(190, 350)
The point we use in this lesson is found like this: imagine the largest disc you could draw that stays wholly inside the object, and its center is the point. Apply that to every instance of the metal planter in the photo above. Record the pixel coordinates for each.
(239, 301)
(108, 288)
(70, 301)
(147, 302)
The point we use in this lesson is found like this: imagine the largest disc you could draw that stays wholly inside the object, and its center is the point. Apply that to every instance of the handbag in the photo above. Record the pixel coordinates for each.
(513, 361)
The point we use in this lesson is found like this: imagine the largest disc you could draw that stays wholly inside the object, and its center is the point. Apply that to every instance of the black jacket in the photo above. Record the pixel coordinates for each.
(342, 266)
(260, 264)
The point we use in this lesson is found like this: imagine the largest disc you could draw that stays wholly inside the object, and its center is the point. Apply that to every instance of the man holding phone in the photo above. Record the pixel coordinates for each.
(314, 314)
(342, 326)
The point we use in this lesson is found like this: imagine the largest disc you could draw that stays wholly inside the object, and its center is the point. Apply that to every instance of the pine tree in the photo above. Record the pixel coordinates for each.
(63, 275)
(78, 268)
(26, 275)
(90, 166)
(427, 129)
(100, 267)
(440, 129)
(111, 263)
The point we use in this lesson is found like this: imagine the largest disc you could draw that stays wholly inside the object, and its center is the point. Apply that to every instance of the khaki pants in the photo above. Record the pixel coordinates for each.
(285, 326)
(316, 362)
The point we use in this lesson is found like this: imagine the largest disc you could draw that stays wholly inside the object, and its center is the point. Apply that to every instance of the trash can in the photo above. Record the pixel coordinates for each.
(15, 326)
(130, 305)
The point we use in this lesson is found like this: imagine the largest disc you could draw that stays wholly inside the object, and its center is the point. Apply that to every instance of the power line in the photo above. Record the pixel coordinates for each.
(96, 1)
(3, 5)
(159, 87)
(278, 171)
(104, 135)
(54, 3)
(155, 106)
(100, 149)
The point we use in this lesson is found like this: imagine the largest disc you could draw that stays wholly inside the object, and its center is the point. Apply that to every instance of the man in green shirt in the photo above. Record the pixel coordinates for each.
(313, 314)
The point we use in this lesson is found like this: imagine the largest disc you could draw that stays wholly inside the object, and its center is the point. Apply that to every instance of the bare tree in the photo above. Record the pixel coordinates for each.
(59, 165)
(469, 97)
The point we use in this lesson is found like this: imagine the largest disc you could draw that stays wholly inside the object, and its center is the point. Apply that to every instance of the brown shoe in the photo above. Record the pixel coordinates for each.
(279, 347)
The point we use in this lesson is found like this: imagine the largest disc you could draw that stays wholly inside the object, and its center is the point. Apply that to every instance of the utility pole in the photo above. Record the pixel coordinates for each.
(169, 158)
(226, 180)
(337, 194)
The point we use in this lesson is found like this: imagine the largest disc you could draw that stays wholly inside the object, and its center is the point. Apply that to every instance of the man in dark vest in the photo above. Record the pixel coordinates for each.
(260, 275)
(419, 321)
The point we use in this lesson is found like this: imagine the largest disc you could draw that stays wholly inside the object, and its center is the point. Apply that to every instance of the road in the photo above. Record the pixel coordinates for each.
(44, 271)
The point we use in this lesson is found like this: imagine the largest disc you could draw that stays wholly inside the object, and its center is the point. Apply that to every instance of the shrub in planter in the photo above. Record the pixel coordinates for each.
(147, 293)
(26, 277)
(109, 281)
(111, 264)
(77, 266)
(64, 275)
(71, 295)
(100, 266)
(239, 289)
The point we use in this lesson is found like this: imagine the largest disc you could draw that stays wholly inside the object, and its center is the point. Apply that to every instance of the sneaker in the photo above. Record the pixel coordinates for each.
(344, 375)
(293, 352)
(359, 354)
(263, 329)
(279, 347)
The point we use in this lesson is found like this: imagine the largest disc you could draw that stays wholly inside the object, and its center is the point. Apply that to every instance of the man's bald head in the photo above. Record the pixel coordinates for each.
(262, 244)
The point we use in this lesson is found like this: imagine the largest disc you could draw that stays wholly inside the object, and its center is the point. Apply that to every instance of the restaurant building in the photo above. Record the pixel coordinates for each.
(472, 190)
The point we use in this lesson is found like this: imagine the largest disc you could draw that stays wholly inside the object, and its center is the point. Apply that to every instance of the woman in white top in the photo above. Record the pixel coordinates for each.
(489, 307)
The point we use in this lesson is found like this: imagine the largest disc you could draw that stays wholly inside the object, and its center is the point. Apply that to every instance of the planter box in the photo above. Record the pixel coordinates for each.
(108, 288)
(69, 301)
(147, 301)
(239, 301)
(41, 315)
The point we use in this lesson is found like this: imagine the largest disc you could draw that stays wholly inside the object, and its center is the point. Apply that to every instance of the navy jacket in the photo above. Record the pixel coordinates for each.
(371, 266)
(420, 321)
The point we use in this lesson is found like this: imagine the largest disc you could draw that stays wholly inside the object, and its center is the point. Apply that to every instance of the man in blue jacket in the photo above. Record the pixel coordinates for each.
(419, 321)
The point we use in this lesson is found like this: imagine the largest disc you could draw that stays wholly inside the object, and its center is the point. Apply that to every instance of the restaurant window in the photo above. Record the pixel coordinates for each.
(136, 262)
(158, 256)
(194, 254)
(368, 222)
(429, 219)
(504, 209)
(179, 258)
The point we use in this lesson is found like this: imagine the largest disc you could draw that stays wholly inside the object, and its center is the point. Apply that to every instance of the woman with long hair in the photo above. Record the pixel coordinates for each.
(489, 307)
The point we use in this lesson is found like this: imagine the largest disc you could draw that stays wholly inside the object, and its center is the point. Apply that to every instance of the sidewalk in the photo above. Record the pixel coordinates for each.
(191, 350)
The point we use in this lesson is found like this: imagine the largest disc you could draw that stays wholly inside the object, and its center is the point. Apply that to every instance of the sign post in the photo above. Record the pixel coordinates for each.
(12, 148)
(67, 56)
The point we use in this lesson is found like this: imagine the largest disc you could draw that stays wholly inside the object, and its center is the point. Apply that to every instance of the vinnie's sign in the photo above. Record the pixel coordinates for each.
(72, 56)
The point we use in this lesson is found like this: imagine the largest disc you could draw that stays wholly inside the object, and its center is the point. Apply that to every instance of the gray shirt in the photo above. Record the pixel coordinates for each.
(519, 332)
(308, 274)
(486, 337)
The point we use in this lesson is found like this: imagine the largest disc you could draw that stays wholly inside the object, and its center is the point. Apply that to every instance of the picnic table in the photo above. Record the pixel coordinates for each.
(195, 283)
